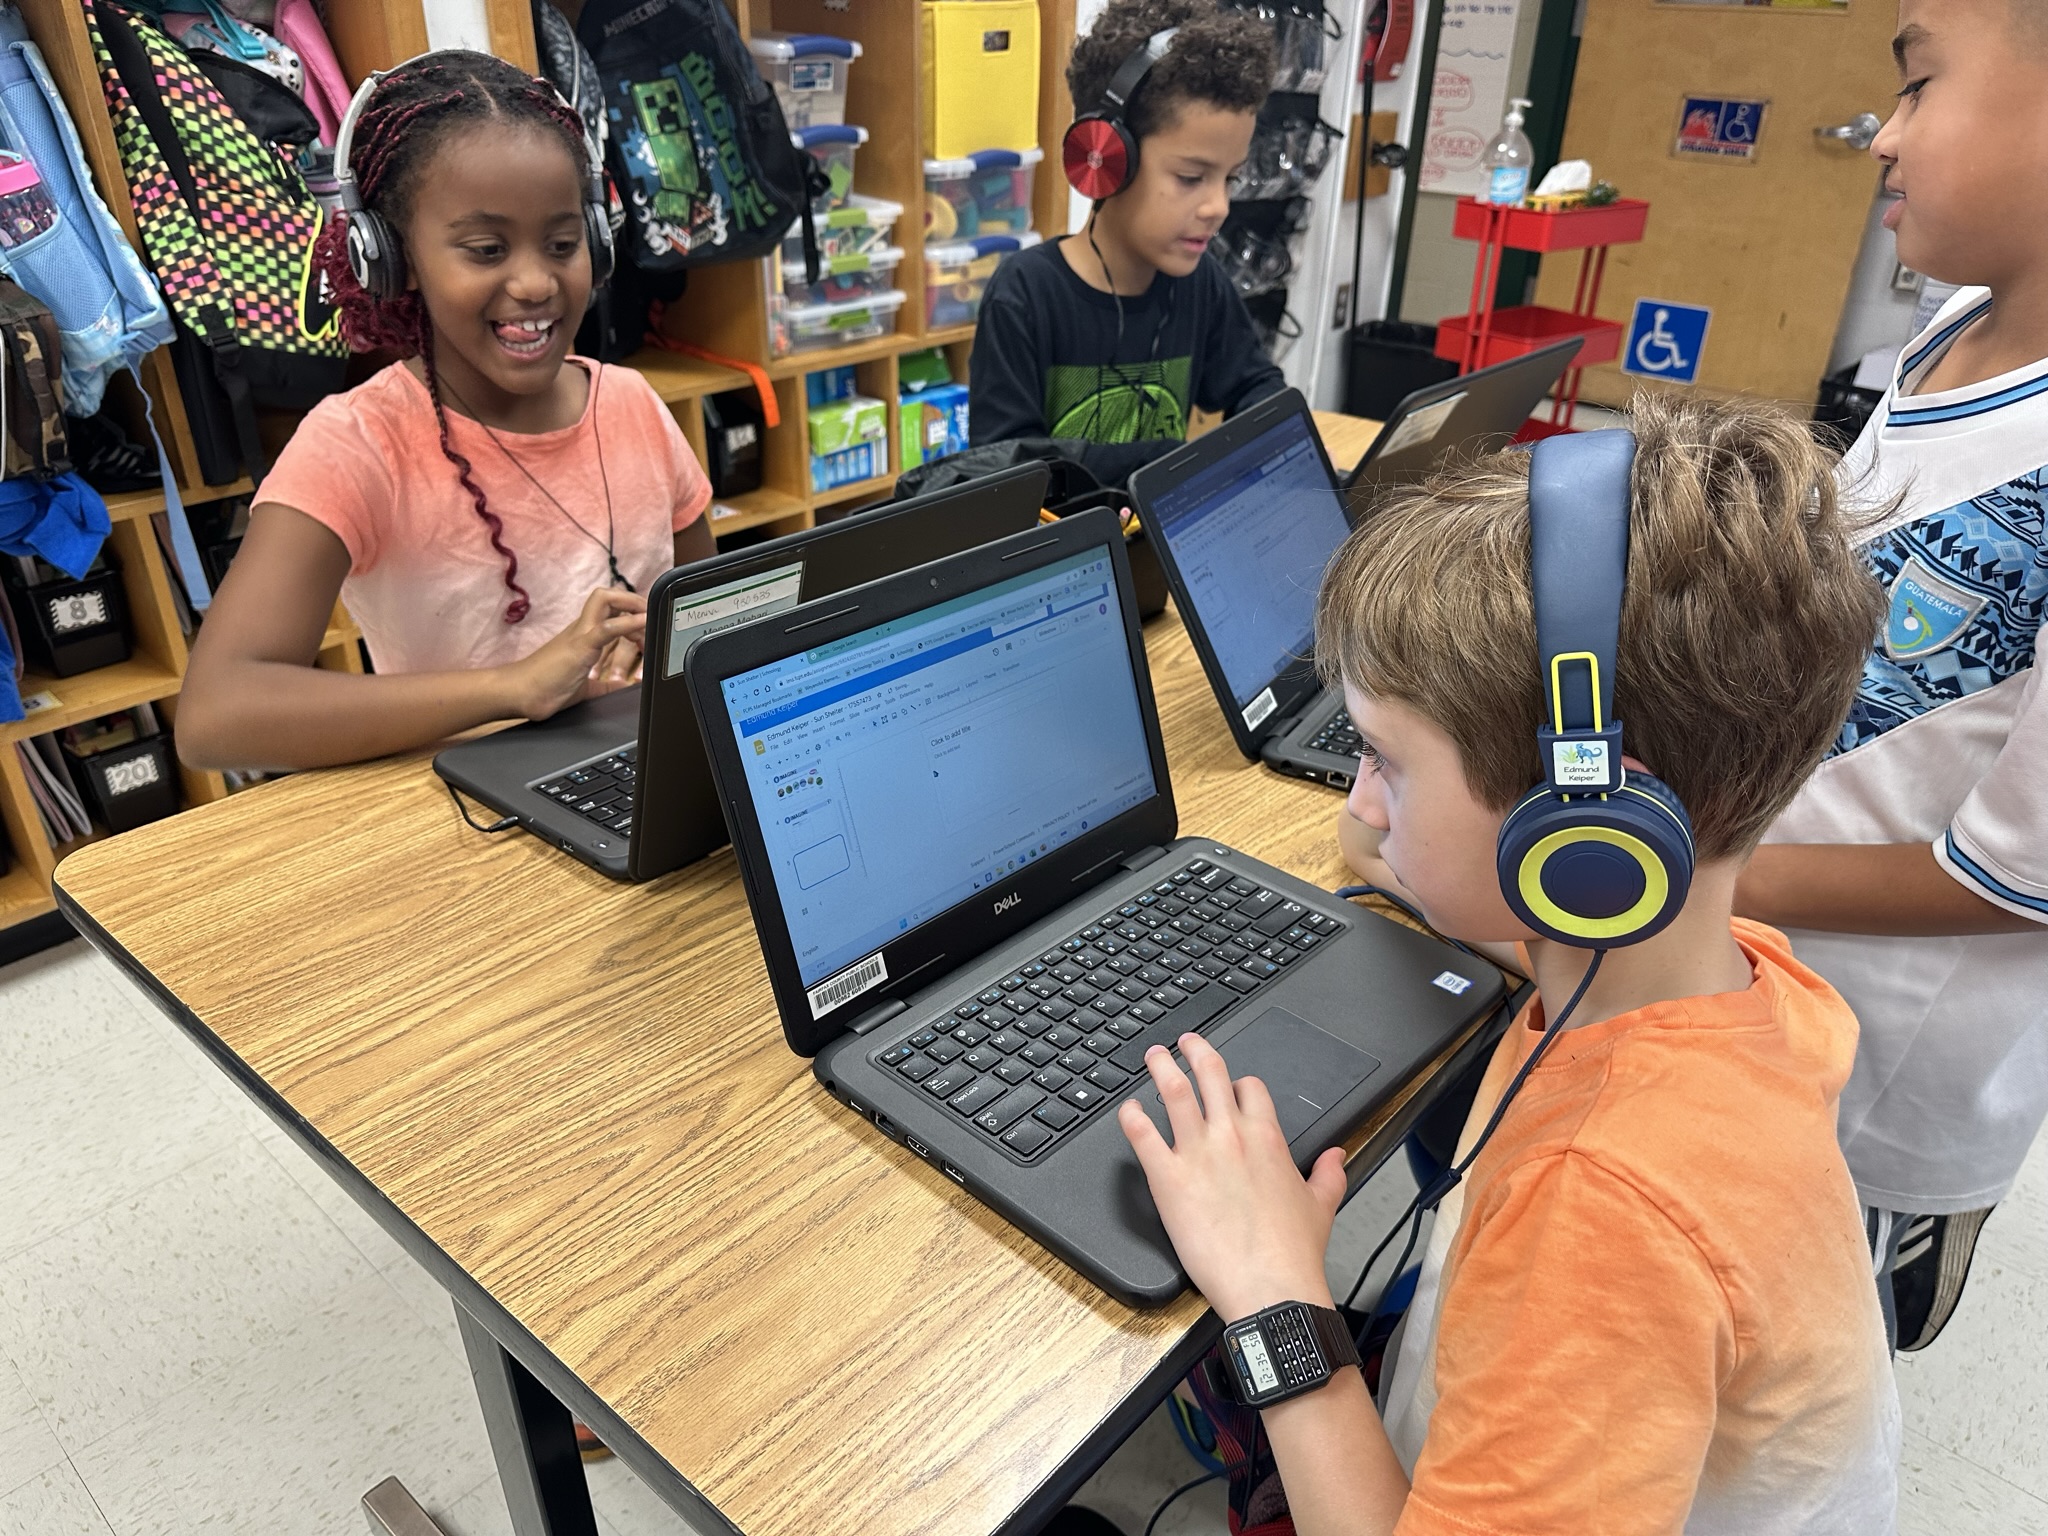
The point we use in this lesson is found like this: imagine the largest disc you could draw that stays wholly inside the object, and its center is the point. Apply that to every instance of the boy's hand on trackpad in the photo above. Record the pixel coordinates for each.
(1250, 1230)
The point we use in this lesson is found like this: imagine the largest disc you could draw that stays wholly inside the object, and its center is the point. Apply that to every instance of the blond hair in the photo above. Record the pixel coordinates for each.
(1744, 628)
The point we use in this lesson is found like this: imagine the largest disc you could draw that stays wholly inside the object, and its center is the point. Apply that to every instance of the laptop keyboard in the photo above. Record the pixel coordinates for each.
(599, 791)
(1338, 735)
(1033, 1058)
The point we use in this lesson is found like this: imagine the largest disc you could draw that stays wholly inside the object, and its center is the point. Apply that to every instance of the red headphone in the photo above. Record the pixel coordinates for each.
(1100, 154)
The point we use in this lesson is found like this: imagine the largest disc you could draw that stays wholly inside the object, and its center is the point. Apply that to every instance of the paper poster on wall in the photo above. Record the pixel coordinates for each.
(1469, 94)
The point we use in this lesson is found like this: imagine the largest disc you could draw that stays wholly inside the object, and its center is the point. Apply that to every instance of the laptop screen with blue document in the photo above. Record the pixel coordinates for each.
(900, 770)
(1251, 535)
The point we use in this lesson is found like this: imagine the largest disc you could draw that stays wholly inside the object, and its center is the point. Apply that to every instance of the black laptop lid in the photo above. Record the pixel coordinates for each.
(1475, 413)
(708, 595)
(1245, 520)
(919, 769)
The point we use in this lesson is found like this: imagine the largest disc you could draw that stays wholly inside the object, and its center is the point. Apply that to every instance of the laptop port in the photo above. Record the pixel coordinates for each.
(1339, 780)
(916, 1146)
(887, 1126)
(954, 1174)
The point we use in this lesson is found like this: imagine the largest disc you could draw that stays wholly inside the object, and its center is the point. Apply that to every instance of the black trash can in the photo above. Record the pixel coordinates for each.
(1385, 361)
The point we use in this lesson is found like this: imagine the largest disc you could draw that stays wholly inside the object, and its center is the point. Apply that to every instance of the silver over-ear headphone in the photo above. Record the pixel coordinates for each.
(375, 254)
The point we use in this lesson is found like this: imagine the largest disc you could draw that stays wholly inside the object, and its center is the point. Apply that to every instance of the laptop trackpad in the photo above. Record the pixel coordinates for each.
(1307, 1070)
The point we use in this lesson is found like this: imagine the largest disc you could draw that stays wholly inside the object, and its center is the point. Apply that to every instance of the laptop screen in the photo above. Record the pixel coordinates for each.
(899, 770)
(1251, 535)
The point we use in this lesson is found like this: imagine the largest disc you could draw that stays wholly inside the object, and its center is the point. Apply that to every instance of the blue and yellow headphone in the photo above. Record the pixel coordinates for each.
(1596, 856)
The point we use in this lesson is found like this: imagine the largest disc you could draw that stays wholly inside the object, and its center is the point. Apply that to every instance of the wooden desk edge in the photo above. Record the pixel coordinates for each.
(463, 1290)
(1177, 1357)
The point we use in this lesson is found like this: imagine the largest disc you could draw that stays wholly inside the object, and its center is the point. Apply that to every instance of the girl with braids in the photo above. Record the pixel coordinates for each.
(460, 500)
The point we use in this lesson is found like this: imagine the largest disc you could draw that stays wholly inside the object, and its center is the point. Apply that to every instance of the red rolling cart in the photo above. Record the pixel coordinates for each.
(1485, 335)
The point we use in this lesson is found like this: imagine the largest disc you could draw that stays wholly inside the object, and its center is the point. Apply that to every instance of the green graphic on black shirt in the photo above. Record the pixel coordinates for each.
(1124, 403)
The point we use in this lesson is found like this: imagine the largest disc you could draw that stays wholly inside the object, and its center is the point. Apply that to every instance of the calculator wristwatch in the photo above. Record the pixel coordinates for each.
(1285, 1351)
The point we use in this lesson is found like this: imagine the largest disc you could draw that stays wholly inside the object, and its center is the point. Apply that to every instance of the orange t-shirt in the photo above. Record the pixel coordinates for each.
(424, 583)
(1652, 1308)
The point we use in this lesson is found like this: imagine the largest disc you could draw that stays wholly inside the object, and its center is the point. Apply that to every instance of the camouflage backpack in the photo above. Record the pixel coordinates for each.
(228, 227)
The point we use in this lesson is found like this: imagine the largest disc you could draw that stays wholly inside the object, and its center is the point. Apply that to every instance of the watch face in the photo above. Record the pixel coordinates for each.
(1255, 1365)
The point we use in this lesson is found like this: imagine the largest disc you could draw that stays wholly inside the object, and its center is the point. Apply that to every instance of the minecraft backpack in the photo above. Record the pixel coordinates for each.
(700, 152)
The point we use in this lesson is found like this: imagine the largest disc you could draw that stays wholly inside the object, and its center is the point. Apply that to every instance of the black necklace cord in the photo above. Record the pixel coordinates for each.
(1428, 1198)
(609, 543)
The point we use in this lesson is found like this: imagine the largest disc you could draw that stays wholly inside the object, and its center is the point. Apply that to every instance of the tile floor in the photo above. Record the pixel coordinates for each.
(199, 1332)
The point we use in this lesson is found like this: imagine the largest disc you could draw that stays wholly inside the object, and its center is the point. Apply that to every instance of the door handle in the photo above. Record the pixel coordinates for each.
(1860, 132)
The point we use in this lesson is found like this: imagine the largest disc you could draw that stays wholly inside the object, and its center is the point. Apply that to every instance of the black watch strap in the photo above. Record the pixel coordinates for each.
(1285, 1351)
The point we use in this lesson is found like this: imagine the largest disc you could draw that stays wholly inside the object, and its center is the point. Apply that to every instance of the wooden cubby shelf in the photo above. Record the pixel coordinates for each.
(725, 309)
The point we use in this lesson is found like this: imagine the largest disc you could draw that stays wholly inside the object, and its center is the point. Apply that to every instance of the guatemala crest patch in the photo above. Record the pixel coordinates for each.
(1926, 613)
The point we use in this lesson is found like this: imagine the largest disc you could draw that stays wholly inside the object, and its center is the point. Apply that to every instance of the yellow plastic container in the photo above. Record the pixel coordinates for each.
(980, 76)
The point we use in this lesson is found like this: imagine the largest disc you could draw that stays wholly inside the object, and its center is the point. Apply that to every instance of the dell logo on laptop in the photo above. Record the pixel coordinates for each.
(1003, 904)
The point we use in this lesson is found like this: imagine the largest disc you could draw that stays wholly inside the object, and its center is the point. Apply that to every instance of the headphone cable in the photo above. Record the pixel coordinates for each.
(1428, 1198)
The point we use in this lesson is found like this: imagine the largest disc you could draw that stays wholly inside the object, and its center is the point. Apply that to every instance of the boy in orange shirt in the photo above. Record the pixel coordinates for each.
(1648, 1305)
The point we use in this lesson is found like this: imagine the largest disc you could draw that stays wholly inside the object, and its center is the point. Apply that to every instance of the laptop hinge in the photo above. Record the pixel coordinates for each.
(1145, 856)
(878, 1015)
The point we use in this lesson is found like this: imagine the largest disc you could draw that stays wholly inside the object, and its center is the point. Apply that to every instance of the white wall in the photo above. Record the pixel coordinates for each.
(458, 24)
(1316, 365)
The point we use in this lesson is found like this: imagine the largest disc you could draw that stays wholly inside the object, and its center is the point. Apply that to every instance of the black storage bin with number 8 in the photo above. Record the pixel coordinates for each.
(67, 626)
(128, 787)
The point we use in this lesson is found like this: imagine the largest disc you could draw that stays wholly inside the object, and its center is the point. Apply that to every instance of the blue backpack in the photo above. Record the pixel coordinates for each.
(72, 256)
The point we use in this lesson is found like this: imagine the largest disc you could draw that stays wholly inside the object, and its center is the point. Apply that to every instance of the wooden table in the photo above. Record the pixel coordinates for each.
(571, 1100)
(1345, 438)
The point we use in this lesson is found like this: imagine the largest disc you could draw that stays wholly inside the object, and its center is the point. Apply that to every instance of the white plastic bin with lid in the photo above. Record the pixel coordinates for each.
(839, 279)
(808, 71)
(810, 327)
(862, 226)
(832, 145)
(988, 193)
(956, 274)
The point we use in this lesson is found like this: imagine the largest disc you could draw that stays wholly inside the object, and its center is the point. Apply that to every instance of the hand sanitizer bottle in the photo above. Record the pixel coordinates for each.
(1509, 159)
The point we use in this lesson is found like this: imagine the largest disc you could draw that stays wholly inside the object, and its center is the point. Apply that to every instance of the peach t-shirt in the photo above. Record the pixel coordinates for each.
(1649, 1307)
(424, 583)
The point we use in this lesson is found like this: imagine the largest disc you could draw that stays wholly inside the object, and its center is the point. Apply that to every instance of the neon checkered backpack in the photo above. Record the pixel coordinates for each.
(228, 227)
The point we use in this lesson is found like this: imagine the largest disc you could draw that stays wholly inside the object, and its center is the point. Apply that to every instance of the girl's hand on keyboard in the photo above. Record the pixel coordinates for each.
(1249, 1229)
(597, 653)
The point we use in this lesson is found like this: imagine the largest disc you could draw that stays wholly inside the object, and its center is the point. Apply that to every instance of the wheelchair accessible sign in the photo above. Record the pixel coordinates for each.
(1665, 340)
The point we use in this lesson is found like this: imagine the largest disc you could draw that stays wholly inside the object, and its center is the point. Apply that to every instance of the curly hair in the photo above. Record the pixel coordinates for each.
(1747, 616)
(1221, 58)
(411, 114)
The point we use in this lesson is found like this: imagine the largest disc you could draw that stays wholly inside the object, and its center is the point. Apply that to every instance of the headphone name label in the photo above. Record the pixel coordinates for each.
(1579, 764)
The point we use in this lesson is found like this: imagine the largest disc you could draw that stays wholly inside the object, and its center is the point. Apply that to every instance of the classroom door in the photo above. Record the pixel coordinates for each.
(1709, 111)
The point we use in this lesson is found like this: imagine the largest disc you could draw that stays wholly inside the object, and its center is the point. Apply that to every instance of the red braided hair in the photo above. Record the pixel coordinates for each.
(411, 111)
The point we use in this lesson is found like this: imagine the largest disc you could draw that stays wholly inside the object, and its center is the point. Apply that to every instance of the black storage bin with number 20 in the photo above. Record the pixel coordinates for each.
(128, 786)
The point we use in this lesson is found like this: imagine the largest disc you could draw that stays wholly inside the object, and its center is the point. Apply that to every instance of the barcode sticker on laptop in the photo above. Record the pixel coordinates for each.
(1256, 712)
(851, 982)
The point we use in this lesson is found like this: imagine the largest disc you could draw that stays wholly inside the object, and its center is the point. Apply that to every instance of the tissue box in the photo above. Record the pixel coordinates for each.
(932, 423)
(849, 441)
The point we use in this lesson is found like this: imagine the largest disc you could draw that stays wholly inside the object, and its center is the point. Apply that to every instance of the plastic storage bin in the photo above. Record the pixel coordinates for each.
(863, 225)
(839, 279)
(832, 145)
(988, 193)
(67, 626)
(980, 75)
(128, 787)
(807, 328)
(956, 274)
(808, 71)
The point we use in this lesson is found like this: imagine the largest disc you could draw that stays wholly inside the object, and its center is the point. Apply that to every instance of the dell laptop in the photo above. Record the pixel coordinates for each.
(1245, 519)
(951, 811)
(1474, 413)
(619, 782)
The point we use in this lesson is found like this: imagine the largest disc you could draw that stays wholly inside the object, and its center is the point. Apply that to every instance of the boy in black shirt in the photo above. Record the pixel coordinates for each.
(1114, 335)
